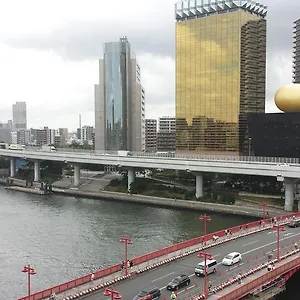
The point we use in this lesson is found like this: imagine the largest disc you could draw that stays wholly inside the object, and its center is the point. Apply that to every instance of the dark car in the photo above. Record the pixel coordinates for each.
(179, 282)
(294, 223)
(153, 291)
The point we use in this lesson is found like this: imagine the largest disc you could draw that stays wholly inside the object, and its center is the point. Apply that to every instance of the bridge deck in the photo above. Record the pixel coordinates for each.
(254, 249)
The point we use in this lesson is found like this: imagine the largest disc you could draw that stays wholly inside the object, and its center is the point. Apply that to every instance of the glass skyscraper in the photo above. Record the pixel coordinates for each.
(296, 56)
(220, 73)
(119, 100)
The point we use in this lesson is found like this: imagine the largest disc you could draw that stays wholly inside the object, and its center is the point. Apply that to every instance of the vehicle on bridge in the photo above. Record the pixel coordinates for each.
(179, 282)
(294, 223)
(153, 291)
(232, 258)
(48, 148)
(211, 267)
(16, 147)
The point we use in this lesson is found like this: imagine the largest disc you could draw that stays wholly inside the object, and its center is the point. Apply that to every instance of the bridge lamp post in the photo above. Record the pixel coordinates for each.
(204, 218)
(126, 241)
(114, 295)
(278, 228)
(264, 205)
(30, 271)
(206, 256)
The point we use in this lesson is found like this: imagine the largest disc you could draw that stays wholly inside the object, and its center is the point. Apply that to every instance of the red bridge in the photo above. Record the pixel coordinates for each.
(269, 258)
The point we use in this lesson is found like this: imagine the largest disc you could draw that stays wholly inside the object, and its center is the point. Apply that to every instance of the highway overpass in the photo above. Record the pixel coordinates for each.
(254, 241)
(286, 170)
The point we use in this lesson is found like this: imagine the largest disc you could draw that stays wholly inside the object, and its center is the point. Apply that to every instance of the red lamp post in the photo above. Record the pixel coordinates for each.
(278, 228)
(126, 241)
(114, 295)
(205, 218)
(264, 205)
(206, 256)
(30, 271)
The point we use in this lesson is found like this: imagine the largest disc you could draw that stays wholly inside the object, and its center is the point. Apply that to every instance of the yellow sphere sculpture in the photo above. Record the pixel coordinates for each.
(287, 98)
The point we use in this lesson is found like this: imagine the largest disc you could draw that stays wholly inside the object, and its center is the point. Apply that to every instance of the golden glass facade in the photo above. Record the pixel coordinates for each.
(220, 77)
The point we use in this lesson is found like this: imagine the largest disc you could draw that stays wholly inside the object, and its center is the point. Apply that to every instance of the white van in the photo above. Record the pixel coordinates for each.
(211, 267)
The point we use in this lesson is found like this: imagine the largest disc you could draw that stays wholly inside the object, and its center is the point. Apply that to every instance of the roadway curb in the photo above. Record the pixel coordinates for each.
(166, 261)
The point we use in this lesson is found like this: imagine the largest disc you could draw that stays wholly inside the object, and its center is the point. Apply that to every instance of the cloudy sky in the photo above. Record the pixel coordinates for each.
(49, 52)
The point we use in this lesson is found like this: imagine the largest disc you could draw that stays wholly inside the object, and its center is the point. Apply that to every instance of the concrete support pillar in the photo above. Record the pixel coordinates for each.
(12, 167)
(76, 175)
(37, 170)
(199, 185)
(131, 177)
(289, 194)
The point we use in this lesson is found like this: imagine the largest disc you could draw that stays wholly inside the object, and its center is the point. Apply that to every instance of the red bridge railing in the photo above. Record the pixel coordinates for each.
(258, 282)
(141, 259)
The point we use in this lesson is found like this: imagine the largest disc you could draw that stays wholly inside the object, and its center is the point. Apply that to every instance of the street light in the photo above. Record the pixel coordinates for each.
(114, 295)
(126, 241)
(205, 218)
(206, 256)
(30, 271)
(278, 228)
(264, 205)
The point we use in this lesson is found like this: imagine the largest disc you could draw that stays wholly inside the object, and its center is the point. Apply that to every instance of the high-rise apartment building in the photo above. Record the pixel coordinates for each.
(119, 100)
(166, 136)
(296, 56)
(19, 116)
(151, 135)
(220, 72)
(86, 134)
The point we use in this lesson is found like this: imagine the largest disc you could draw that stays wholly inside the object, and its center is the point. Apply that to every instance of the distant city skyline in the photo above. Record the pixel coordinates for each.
(51, 65)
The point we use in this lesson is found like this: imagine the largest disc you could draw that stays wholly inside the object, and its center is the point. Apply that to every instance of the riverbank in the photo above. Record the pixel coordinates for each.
(170, 203)
(242, 210)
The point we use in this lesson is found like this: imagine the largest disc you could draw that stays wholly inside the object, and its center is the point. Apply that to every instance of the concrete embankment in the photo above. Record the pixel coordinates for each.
(169, 203)
(160, 202)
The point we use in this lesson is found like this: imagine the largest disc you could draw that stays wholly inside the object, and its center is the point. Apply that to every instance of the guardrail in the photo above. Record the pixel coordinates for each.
(256, 283)
(144, 258)
(203, 156)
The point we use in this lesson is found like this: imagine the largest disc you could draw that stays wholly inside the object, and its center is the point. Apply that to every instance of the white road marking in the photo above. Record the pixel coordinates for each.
(247, 252)
(163, 276)
(250, 243)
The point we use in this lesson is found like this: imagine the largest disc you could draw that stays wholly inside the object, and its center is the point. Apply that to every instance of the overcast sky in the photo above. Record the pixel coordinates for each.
(49, 52)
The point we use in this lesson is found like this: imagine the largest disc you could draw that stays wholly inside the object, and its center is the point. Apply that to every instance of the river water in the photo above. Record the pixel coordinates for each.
(66, 237)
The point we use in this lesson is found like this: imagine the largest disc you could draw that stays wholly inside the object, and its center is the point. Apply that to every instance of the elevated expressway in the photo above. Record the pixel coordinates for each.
(284, 169)
(255, 241)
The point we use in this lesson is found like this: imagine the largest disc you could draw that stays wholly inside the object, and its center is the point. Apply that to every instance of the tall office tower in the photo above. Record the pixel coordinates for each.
(296, 56)
(151, 135)
(19, 116)
(166, 136)
(119, 100)
(220, 73)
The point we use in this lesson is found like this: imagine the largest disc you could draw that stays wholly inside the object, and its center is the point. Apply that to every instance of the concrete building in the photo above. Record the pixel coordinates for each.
(5, 133)
(166, 136)
(24, 137)
(220, 73)
(45, 136)
(119, 100)
(296, 55)
(86, 134)
(19, 116)
(151, 135)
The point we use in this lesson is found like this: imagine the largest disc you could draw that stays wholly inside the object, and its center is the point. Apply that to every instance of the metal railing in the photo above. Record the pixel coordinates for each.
(178, 155)
(152, 256)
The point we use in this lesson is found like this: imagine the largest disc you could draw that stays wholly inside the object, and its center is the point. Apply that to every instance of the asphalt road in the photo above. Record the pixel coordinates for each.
(252, 248)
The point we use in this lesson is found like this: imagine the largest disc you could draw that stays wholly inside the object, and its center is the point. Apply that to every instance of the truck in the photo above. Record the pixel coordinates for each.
(123, 153)
(48, 148)
(16, 147)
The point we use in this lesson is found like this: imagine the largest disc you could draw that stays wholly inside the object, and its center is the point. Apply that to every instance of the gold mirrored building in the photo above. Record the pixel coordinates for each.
(220, 73)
